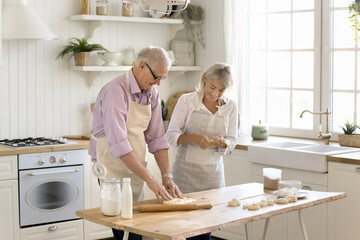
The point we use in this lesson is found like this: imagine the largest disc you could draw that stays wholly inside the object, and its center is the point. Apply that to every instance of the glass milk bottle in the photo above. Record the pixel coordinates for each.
(126, 199)
(110, 196)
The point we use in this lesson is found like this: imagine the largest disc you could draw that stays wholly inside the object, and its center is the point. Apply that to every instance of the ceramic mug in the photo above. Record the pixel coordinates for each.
(172, 57)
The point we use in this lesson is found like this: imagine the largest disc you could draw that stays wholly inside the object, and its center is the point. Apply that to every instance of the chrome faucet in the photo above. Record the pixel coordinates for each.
(327, 135)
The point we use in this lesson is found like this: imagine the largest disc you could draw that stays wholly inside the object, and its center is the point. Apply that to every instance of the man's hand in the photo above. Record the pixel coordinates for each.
(171, 187)
(159, 190)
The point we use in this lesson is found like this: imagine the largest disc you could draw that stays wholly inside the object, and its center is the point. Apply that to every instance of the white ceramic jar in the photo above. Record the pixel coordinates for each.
(110, 196)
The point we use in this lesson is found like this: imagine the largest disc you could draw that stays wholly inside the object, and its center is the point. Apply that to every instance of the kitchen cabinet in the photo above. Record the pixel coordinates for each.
(9, 213)
(71, 230)
(237, 171)
(287, 226)
(92, 200)
(344, 215)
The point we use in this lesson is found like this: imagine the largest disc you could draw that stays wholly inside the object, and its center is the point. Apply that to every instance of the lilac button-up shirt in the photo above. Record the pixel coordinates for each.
(110, 116)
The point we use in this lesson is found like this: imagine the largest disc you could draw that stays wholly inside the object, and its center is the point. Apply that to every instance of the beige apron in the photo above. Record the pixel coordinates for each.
(138, 118)
(197, 169)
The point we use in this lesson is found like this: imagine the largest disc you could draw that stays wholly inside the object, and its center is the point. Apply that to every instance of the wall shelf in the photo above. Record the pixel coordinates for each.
(126, 68)
(96, 21)
(126, 19)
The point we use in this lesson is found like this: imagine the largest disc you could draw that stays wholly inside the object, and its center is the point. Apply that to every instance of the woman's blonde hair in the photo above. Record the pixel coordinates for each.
(219, 71)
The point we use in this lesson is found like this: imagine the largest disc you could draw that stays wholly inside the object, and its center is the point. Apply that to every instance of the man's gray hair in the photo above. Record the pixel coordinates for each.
(153, 56)
(220, 71)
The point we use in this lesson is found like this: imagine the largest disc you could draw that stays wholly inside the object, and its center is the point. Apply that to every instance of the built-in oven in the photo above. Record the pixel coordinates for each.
(50, 186)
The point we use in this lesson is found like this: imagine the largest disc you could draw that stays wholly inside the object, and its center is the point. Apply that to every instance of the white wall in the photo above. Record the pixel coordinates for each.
(40, 96)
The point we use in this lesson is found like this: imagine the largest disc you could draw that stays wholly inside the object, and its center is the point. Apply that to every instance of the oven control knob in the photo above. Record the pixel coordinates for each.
(63, 160)
(41, 162)
(52, 159)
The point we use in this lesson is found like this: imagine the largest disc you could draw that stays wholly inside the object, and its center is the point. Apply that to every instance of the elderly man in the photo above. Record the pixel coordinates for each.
(126, 117)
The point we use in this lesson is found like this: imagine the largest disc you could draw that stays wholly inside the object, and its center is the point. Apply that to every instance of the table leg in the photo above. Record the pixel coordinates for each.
(246, 232)
(126, 235)
(265, 228)
(302, 224)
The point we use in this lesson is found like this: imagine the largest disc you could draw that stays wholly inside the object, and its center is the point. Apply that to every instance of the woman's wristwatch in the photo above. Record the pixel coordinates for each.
(167, 175)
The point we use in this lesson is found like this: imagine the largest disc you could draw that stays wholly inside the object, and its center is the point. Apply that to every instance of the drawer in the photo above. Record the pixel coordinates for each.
(293, 174)
(8, 167)
(71, 230)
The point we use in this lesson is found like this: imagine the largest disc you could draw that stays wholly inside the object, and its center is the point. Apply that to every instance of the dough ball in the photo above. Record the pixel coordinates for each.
(282, 193)
(291, 198)
(282, 201)
(234, 202)
(254, 206)
(263, 203)
(270, 201)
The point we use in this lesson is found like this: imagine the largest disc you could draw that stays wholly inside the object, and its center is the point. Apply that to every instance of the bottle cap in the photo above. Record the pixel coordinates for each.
(99, 170)
(126, 180)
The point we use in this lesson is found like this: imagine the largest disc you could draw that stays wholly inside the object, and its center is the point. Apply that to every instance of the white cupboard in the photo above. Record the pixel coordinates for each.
(9, 213)
(71, 230)
(287, 226)
(237, 171)
(344, 215)
(92, 200)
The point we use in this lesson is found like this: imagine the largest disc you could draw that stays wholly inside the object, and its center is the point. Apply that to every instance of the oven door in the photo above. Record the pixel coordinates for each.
(50, 194)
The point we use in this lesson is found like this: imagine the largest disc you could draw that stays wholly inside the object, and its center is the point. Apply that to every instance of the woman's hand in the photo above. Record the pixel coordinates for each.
(219, 142)
(203, 141)
(171, 187)
(159, 190)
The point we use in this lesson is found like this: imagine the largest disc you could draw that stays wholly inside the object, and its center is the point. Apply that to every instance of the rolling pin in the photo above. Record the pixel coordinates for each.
(164, 208)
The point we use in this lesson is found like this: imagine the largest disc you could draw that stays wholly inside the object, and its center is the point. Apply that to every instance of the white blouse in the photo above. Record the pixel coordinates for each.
(188, 103)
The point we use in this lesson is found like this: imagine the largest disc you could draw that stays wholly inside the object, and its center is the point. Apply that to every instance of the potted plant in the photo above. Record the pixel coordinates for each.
(164, 112)
(192, 19)
(80, 48)
(349, 138)
(354, 10)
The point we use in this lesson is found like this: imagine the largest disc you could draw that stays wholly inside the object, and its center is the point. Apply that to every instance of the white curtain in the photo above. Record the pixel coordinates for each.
(235, 47)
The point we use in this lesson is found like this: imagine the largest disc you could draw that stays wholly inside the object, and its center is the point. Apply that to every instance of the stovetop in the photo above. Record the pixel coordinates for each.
(33, 142)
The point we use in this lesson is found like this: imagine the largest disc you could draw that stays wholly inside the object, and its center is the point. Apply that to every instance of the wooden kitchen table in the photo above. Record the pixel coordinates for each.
(183, 224)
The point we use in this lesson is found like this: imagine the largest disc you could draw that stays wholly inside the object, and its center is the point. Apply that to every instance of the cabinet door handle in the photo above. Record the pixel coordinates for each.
(357, 169)
(53, 228)
(306, 187)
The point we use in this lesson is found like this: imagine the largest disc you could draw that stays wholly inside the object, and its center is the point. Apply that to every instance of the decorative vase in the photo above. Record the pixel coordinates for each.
(349, 140)
(82, 58)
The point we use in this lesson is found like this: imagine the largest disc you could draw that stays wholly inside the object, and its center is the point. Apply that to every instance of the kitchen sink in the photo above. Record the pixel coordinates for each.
(296, 155)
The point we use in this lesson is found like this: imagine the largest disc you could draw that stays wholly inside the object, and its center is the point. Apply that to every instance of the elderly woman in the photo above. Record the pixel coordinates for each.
(203, 127)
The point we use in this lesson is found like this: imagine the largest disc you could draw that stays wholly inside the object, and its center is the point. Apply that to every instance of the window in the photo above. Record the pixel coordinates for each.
(292, 68)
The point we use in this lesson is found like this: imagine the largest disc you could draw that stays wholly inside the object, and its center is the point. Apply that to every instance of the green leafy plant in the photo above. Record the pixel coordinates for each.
(354, 10)
(349, 127)
(164, 110)
(76, 45)
(192, 18)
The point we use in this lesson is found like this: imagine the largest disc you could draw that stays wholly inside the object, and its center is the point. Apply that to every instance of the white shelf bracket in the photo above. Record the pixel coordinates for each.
(91, 78)
(92, 27)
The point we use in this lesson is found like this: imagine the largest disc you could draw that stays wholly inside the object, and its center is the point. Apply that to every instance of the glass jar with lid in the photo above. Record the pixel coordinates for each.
(102, 7)
(129, 56)
(110, 196)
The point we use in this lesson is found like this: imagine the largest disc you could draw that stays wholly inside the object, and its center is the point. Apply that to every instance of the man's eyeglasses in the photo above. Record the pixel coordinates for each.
(155, 77)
